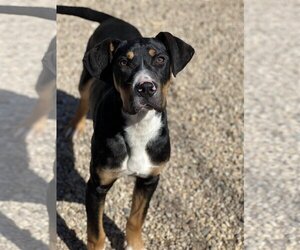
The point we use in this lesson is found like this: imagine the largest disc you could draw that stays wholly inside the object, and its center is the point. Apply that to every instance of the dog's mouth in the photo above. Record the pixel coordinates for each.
(145, 107)
(148, 105)
(142, 107)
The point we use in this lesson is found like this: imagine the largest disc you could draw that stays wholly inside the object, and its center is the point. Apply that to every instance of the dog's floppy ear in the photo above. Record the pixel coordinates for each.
(96, 59)
(181, 53)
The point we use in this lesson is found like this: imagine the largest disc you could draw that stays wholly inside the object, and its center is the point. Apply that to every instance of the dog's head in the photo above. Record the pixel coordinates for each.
(141, 68)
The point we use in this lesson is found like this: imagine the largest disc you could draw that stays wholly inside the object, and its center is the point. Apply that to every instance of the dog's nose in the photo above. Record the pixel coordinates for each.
(146, 89)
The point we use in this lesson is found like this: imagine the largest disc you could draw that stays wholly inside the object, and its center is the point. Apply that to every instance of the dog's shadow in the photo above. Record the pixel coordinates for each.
(18, 181)
(70, 185)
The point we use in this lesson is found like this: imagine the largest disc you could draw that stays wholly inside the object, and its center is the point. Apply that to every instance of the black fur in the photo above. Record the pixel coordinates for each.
(159, 149)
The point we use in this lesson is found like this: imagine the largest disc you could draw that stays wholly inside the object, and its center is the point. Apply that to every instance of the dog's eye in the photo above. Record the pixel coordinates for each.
(160, 60)
(123, 62)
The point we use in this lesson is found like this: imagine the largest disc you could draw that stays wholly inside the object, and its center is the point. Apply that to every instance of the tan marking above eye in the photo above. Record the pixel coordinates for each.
(152, 52)
(130, 55)
(111, 47)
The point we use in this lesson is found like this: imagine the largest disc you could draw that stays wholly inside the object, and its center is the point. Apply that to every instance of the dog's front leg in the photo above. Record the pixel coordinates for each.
(95, 198)
(143, 191)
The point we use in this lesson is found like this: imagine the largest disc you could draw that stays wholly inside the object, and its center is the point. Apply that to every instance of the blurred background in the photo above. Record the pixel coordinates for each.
(199, 201)
(28, 125)
(272, 125)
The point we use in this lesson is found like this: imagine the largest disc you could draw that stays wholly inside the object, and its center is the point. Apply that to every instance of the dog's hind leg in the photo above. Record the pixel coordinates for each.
(142, 194)
(77, 124)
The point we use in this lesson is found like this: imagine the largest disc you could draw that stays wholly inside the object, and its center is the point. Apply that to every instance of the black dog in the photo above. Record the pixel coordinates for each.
(128, 77)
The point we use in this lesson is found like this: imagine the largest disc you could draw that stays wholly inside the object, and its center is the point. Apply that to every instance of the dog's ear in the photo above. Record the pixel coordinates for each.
(96, 59)
(181, 53)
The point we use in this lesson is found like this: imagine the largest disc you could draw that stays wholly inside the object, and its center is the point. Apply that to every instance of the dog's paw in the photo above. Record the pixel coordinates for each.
(96, 246)
(129, 247)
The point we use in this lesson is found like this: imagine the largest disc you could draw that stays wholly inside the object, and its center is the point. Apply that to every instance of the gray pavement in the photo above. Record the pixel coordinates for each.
(272, 125)
(26, 165)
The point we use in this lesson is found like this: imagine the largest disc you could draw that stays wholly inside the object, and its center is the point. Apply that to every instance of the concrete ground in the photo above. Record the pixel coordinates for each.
(199, 201)
(272, 125)
(27, 159)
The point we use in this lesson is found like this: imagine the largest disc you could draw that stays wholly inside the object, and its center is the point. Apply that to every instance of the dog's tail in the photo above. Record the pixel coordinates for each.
(85, 13)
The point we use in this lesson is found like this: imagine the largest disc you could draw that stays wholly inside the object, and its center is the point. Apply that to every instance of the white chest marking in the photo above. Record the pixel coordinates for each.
(138, 135)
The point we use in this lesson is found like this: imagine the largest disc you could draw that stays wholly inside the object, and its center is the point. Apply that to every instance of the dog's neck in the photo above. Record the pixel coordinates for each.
(140, 116)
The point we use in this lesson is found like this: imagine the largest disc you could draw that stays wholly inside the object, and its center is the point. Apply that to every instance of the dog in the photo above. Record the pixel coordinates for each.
(124, 83)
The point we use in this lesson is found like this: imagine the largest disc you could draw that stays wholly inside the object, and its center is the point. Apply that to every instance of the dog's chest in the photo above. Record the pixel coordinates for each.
(138, 135)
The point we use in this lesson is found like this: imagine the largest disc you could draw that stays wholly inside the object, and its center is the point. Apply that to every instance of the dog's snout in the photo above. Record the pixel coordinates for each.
(146, 89)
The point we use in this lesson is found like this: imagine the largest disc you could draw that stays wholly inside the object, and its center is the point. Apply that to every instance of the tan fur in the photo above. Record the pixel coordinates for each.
(157, 170)
(97, 242)
(78, 122)
(165, 90)
(135, 222)
(130, 55)
(38, 117)
(125, 95)
(111, 50)
(152, 52)
(111, 47)
(107, 176)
